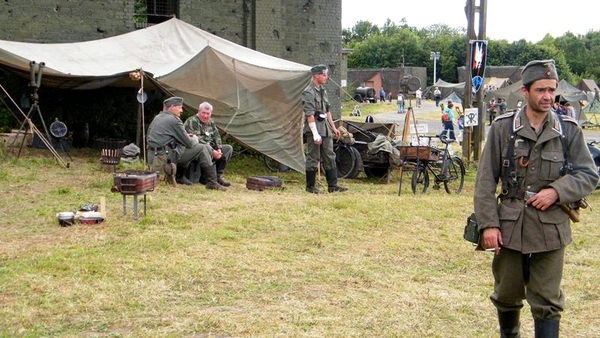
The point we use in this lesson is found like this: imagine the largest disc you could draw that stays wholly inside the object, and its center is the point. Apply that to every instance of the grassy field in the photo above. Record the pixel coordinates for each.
(365, 263)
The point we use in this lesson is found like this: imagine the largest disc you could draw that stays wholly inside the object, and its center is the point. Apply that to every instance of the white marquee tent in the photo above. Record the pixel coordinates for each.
(256, 96)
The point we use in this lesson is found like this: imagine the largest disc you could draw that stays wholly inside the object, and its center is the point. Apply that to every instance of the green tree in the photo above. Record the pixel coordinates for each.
(361, 31)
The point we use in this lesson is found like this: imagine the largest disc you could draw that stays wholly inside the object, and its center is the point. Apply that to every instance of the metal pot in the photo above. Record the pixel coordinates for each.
(66, 218)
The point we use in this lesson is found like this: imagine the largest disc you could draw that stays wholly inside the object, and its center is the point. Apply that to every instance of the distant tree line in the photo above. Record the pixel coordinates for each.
(394, 45)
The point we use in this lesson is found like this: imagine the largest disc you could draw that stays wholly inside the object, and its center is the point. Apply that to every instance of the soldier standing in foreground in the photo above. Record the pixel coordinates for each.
(525, 225)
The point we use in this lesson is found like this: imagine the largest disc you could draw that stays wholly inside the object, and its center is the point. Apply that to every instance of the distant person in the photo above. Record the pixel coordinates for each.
(437, 95)
(382, 95)
(492, 110)
(524, 225)
(320, 130)
(461, 126)
(448, 121)
(569, 110)
(418, 96)
(400, 102)
(501, 105)
(559, 109)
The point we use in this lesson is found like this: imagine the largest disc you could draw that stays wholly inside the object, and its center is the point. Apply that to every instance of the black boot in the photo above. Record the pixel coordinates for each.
(180, 176)
(220, 169)
(222, 182)
(311, 178)
(331, 176)
(546, 328)
(210, 174)
(509, 324)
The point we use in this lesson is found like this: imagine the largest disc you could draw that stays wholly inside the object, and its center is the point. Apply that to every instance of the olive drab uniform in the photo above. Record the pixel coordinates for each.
(316, 103)
(209, 135)
(166, 131)
(166, 134)
(531, 238)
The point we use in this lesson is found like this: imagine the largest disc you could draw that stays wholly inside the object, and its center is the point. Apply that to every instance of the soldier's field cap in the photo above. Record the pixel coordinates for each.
(173, 101)
(319, 69)
(539, 70)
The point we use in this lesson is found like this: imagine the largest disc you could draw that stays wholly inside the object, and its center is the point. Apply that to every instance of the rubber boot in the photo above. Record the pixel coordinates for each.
(509, 324)
(220, 169)
(180, 176)
(546, 328)
(210, 173)
(311, 178)
(331, 176)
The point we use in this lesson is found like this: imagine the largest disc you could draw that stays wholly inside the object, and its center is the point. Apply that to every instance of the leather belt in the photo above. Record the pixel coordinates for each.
(520, 195)
(159, 150)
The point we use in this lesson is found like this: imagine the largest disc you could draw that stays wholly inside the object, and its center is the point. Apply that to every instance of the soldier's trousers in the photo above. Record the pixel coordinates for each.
(534, 277)
(323, 152)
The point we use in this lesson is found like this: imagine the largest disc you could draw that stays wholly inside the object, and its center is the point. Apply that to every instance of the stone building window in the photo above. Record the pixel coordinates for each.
(151, 12)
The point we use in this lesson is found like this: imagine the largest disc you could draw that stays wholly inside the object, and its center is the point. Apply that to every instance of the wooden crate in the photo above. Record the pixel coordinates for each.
(423, 153)
(132, 182)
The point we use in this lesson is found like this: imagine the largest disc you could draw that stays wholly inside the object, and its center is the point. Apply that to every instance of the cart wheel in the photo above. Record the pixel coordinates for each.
(273, 165)
(455, 177)
(357, 161)
(420, 179)
(346, 162)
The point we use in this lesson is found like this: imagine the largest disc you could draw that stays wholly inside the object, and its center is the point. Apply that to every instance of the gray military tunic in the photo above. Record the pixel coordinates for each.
(167, 129)
(527, 229)
(316, 100)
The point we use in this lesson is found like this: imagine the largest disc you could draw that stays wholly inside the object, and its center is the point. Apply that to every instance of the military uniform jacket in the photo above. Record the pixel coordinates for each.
(315, 99)
(207, 133)
(166, 128)
(524, 228)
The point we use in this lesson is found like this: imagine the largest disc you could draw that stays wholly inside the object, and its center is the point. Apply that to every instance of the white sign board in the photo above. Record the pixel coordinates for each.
(421, 129)
(471, 117)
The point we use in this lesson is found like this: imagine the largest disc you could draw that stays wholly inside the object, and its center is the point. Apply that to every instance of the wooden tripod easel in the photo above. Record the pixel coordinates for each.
(405, 132)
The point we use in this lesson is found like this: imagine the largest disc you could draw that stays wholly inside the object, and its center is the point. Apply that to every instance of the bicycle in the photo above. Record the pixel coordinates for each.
(448, 169)
(347, 159)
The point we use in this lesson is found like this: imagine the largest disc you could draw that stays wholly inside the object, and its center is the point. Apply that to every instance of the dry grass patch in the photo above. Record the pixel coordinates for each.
(241, 263)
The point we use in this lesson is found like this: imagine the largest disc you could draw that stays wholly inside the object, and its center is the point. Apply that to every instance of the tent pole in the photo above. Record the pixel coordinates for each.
(143, 123)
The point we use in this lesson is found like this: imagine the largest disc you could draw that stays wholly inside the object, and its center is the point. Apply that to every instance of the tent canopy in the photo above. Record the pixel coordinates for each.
(565, 93)
(587, 85)
(256, 96)
(446, 88)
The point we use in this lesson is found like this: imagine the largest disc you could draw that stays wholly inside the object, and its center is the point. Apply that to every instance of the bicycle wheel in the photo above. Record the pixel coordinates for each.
(420, 179)
(455, 177)
(271, 164)
(345, 161)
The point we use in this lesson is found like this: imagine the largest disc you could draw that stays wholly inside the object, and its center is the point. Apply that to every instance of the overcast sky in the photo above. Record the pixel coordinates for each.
(506, 19)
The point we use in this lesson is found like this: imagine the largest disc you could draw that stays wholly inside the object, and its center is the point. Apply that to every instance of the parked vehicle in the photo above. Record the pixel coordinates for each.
(362, 94)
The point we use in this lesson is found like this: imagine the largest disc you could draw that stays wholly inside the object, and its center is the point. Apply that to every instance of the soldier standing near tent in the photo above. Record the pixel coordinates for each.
(167, 136)
(525, 225)
(319, 130)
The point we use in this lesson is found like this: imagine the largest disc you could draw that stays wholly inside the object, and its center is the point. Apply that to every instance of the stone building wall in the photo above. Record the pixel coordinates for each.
(303, 31)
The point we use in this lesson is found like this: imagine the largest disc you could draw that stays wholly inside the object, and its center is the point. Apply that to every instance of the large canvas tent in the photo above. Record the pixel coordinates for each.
(446, 88)
(256, 96)
(587, 85)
